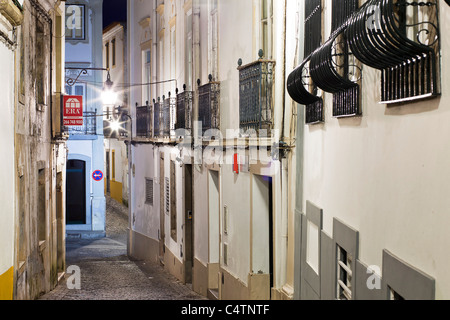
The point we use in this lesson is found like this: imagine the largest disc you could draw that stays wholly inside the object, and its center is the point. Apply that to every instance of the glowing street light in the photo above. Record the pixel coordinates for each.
(109, 96)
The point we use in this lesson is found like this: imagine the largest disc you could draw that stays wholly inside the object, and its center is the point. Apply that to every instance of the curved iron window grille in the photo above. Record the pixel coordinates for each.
(334, 69)
(300, 86)
(401, 39)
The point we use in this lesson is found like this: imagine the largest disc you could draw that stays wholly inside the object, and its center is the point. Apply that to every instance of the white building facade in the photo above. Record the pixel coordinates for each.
(116, 151)
(214, 210)
(85, 195)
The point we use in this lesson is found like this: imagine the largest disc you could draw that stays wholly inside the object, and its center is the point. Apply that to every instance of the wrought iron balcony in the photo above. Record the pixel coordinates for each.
(209, 105)
(89, 126)
(169, 115)
(184, 110)
(256, 98)
(157, 118)
(143, 121)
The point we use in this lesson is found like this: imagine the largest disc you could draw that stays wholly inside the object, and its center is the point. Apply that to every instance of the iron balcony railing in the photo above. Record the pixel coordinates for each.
(169, 116)
(209, 105)
(89, 126)
(157, 117)
(143, 121)
(184, 110)
(256, 98)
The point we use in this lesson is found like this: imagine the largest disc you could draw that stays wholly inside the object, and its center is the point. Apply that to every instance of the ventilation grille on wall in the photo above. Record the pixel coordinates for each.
(149, 191)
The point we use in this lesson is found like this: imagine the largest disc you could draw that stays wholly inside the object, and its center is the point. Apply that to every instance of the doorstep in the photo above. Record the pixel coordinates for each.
(86, 235)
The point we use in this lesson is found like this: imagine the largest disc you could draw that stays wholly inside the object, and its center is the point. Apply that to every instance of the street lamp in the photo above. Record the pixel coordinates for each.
(109, 96)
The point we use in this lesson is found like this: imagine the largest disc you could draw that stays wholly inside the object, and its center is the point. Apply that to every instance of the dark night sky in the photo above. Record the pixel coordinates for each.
(114, 10)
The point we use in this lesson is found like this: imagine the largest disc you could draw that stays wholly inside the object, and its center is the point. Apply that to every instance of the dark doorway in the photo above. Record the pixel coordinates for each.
(188, 222)
(108, 185)
(162, 234)
(76, 192)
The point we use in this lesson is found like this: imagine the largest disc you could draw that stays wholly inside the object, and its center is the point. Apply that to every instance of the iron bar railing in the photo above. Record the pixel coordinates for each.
(209, 105)
(169, 116)
(256, 95)
(184, 110)
(89, 126)
(157, 117)
(144, 121)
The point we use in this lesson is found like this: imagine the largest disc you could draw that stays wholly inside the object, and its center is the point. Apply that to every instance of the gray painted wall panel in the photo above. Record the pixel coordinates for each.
(406, 280)
(297, 254)
(327, 267)
(363, 292)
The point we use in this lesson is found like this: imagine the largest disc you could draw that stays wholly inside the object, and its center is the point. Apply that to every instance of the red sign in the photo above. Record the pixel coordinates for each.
(73, 110)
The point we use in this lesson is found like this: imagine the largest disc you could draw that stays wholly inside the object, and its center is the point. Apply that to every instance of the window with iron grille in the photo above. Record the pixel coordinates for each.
(300, 86)
(334, 68)
(400, 38)
(344, 275)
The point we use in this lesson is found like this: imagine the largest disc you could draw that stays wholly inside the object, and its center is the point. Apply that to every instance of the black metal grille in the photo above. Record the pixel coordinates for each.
(184, 110)
(143, 121)
(313, 25)
(333, 67)
(256, 95)
(169, 116)
(157, 115)
(300, 86)
(402, 40)
(208, 106)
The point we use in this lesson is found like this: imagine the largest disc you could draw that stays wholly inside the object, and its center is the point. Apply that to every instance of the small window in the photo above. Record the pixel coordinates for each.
(225, 219)
(113, 53)
(75, 22)
(344, 274)
(225, 254)
(149, 192)
(107, 54)
(266, 27)
(393, 295)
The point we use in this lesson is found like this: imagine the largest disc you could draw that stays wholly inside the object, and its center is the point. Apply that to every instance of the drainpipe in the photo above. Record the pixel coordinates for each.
(196, 69)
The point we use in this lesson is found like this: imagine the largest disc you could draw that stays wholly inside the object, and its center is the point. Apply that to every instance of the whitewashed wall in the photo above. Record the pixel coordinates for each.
(386, 173)
(7, 161)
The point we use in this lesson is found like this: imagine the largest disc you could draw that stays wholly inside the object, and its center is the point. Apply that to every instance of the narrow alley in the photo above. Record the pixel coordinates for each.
(108, 274)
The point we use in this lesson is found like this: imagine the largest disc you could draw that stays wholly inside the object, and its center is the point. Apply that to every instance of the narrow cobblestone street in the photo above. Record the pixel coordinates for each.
(108, 274)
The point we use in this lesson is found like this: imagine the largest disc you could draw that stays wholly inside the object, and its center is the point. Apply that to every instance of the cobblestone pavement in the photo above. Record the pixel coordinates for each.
(108, 274)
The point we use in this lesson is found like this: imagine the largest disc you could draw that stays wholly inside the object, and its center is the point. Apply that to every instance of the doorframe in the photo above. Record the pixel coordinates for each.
(88, 161)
